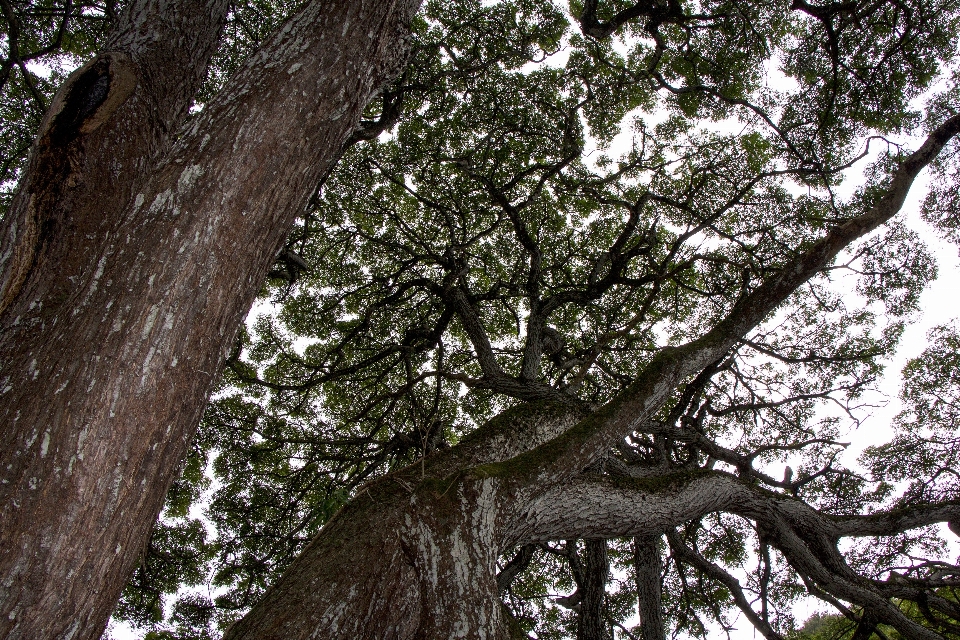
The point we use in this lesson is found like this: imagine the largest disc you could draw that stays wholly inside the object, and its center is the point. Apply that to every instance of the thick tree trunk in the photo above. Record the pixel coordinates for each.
(128, 264)
(79, 489)
(414, 554)
(402, 561)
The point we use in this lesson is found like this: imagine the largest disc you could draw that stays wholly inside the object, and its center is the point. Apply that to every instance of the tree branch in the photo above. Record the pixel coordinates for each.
(615, 507)
(658, 12)
(583, 445)
(689, 556)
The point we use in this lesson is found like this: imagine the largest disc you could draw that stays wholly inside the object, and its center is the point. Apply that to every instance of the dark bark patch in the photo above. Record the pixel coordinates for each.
(89, 97)
(88, 92)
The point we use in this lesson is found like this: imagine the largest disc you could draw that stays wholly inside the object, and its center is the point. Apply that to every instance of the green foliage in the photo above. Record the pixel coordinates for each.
(821, 626)
(486, 185)
(924, 449)
(176, 557)
(825, 626)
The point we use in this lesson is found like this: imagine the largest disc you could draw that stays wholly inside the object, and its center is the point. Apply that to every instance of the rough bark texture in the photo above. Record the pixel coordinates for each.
(128, 263)
(592, 623)
(414, 555)
(404, 560)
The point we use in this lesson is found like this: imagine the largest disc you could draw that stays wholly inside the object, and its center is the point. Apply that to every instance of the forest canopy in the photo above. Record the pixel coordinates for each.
(548, 197)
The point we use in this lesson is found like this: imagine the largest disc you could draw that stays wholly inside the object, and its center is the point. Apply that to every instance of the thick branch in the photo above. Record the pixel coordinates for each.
(584, 444)
(658, 12)
(513, 432)
(604, 506)
(608, 507)
(888, 523)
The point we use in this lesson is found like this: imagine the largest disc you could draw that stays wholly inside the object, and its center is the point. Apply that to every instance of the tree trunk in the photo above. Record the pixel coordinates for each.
(402, 561)
(592, 622)
(128, 260)
(646, 560)
(131, 253)
(414, 554)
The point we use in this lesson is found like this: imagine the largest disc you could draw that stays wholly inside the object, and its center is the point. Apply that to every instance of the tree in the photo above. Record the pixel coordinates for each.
(136, 242)
(529, 362)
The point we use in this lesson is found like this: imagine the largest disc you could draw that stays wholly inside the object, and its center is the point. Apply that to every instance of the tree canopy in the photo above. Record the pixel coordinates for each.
(549, 198)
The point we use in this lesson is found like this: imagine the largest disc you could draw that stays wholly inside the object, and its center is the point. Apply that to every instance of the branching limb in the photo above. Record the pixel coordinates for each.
(658, 12)
(517, 565)
(691, 557)
(519, 429)
(582, 446)
(608, 507)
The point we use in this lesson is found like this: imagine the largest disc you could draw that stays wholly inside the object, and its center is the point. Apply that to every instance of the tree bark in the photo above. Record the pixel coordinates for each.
(129, 258)
(407, 559)
(414, 554)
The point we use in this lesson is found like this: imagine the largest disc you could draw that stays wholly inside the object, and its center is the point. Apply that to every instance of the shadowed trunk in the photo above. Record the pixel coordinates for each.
(592, 622)
(402, 561)
(414, 555)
